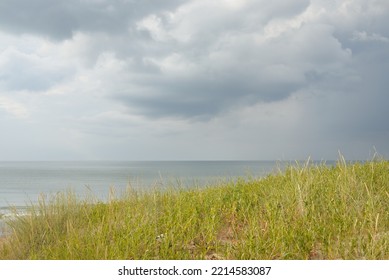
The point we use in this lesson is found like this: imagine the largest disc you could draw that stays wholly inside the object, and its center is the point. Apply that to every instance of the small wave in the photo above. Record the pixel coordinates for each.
(9, 214)
(12, 212)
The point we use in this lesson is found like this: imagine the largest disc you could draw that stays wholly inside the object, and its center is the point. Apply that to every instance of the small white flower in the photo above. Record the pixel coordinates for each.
(160, 237)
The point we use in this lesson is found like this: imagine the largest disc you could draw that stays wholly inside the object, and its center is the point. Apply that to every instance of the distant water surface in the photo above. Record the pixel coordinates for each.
(21, 183)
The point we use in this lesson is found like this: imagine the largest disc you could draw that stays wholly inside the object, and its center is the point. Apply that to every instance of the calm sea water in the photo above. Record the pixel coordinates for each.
(21, 183)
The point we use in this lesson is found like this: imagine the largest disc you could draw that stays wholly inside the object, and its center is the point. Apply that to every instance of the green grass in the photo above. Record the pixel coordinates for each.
(305, 212)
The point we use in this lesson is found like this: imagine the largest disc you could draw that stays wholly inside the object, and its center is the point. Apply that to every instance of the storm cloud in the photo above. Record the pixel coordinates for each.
(291, 78)
(61, 19)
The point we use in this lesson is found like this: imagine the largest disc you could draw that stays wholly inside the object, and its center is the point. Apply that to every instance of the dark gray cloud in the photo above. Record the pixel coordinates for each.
(204, 97)
(236, 70)
(60, 19)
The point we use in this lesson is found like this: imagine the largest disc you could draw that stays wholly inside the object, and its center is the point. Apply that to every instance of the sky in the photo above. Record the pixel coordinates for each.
(193, 79)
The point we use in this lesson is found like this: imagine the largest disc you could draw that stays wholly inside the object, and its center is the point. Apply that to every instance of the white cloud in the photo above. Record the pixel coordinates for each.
(28, 70)
(153, 24)
(13, 107)
(363, 36)
(278, 26)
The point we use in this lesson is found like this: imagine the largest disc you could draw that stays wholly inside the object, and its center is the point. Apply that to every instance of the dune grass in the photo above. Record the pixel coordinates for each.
(304, 212)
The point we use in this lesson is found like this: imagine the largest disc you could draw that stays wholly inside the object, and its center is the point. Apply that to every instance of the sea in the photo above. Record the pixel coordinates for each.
(22, 184)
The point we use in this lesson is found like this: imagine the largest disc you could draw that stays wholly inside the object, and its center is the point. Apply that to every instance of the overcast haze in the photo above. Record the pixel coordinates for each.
(176, 80)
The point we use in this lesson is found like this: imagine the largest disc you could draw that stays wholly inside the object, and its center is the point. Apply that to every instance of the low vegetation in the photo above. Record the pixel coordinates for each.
(304, 212)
